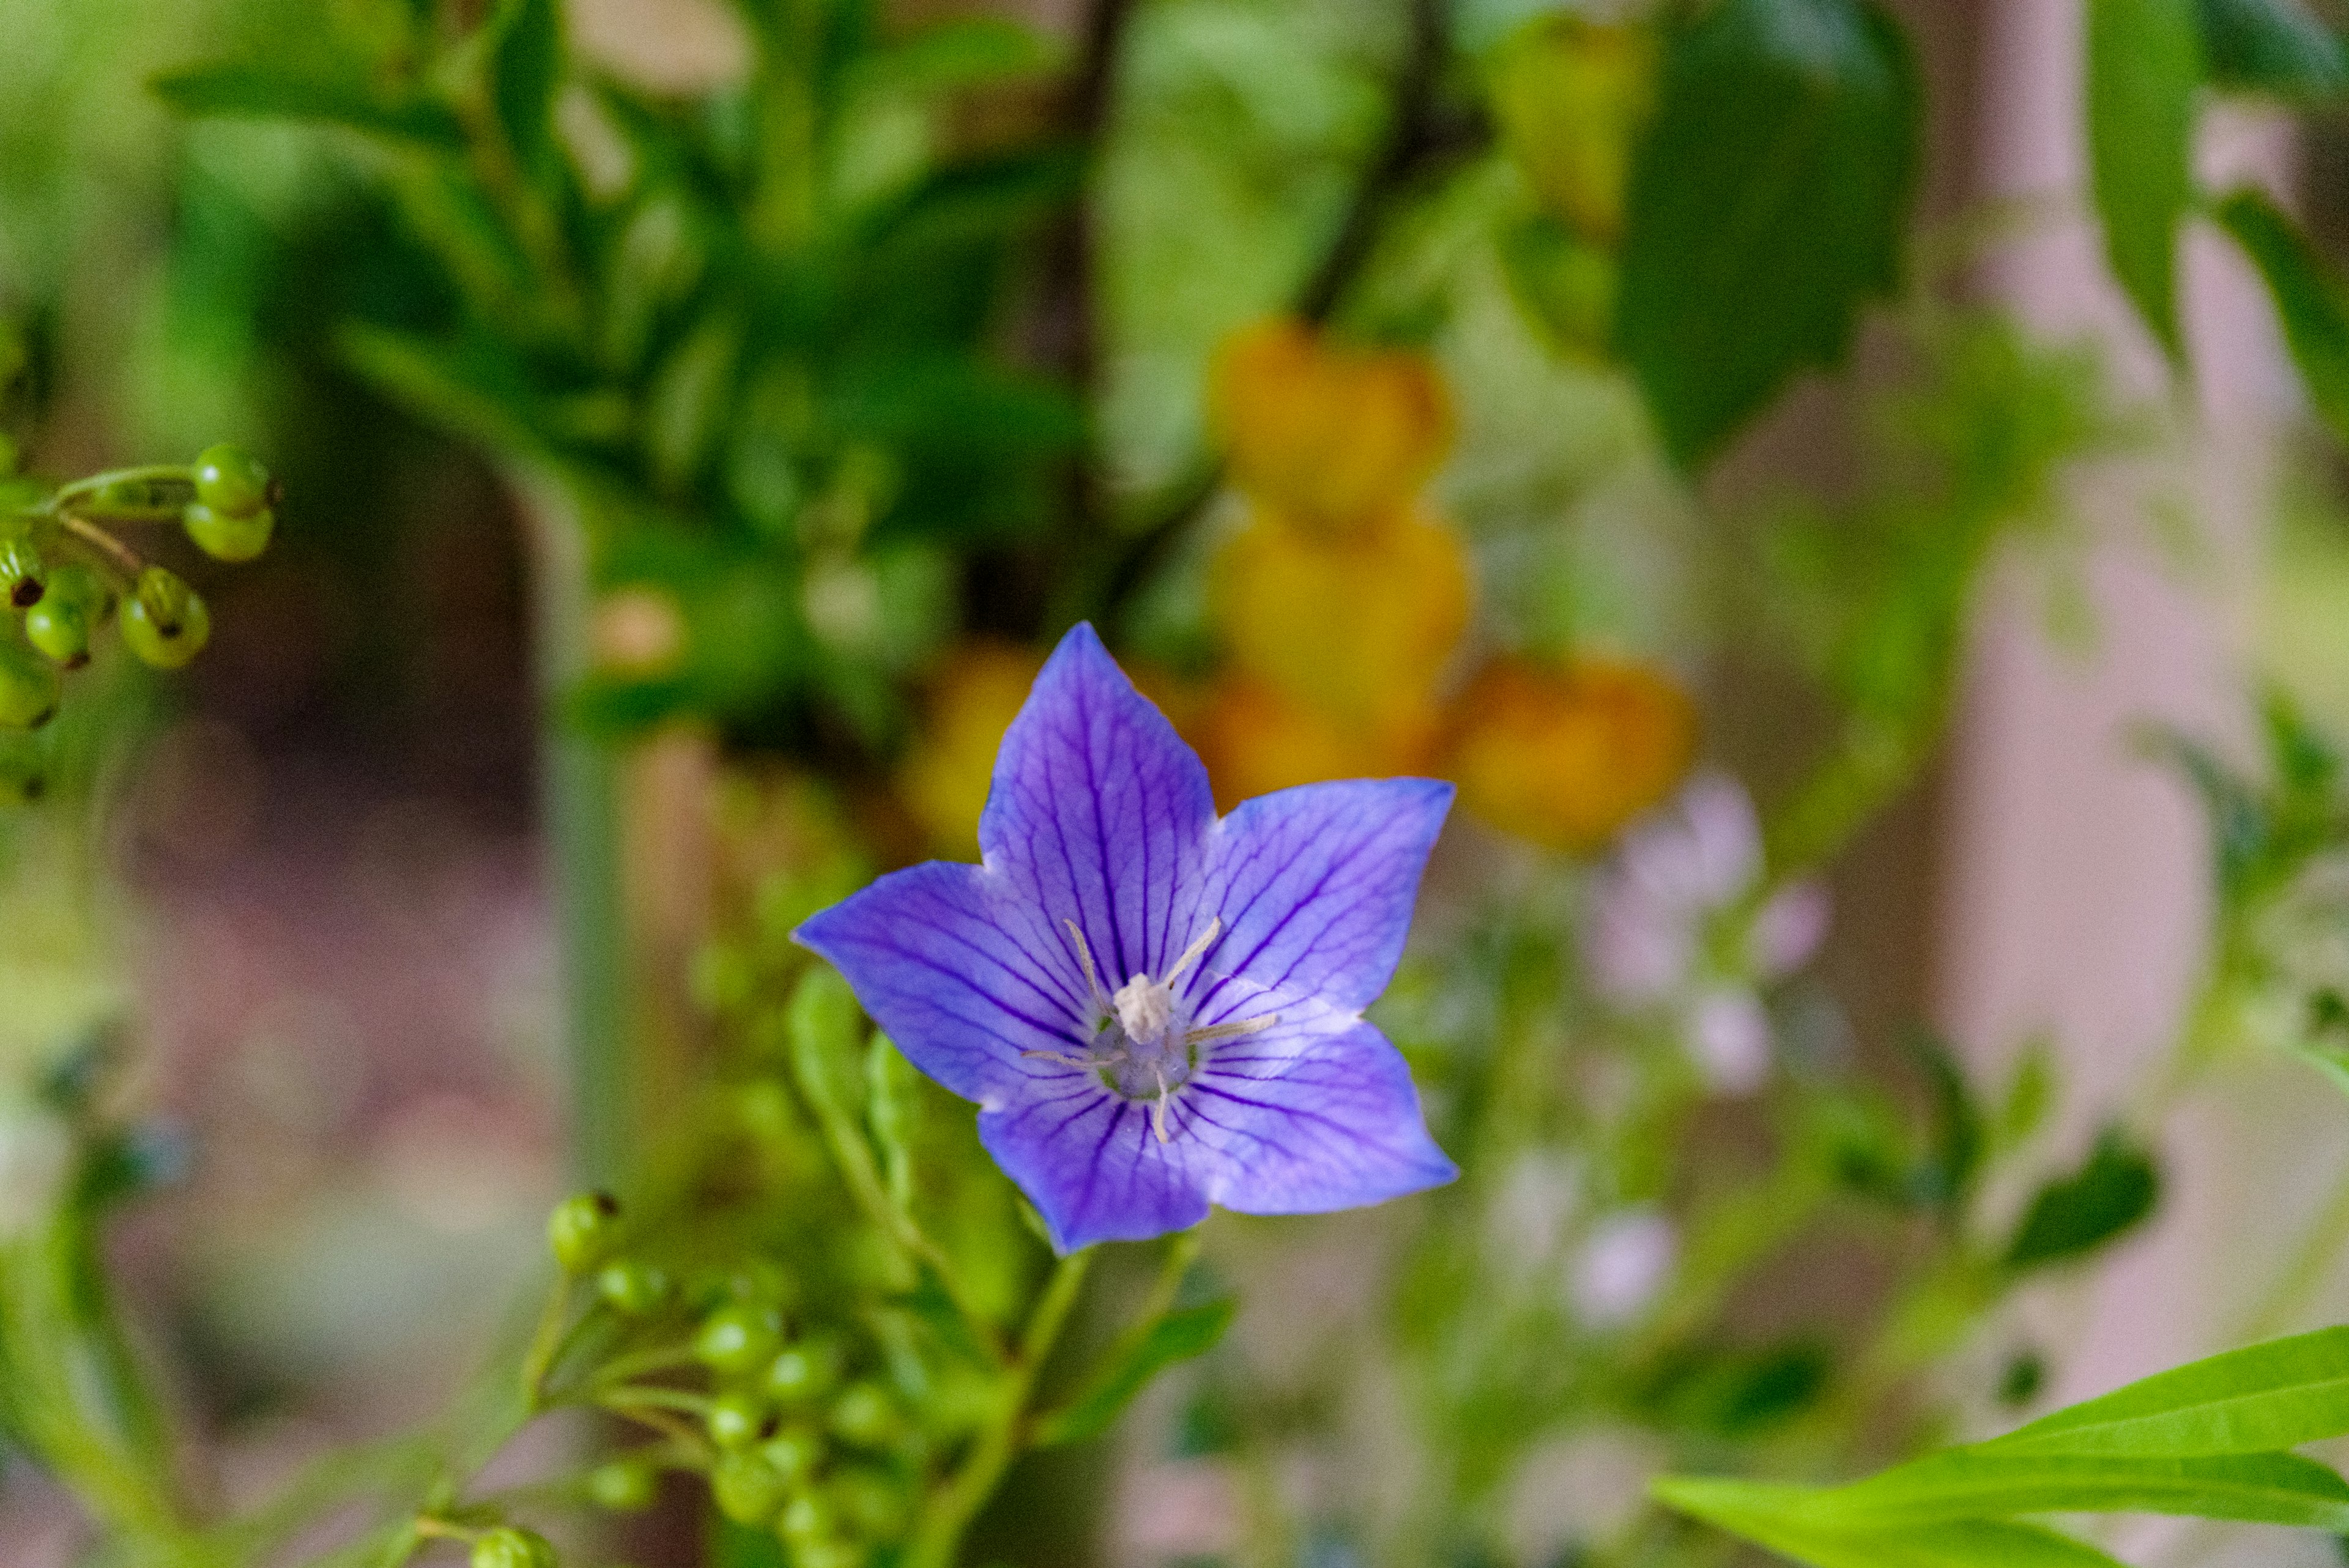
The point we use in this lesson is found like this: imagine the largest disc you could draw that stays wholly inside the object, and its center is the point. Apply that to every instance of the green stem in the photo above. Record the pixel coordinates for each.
(948, 1516)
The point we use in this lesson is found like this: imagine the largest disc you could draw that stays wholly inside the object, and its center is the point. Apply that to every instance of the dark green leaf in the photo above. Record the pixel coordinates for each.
(1176, 1337)
(2273, 47)
(2145, 62)
(260, 92)
(2112, 1193)
(2310, 299)
(2260, 1399)
(525, 68)
(1958, 1134)
(1767, 205)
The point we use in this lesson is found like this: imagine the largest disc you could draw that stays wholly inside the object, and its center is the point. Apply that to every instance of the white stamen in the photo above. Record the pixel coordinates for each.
(1158, 1110)
(1191, 954)
(1085, 957)
(1216, 1031)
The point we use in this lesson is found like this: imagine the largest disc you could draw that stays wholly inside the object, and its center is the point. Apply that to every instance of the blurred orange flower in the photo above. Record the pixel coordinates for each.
(1331, 436)
(1256, 739)
(1567, 756)
(1571, 96)
(975, 698)
(1357, 628)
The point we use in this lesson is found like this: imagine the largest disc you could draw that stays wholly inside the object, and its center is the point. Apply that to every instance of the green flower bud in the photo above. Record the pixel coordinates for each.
(231, 483)
(828, 1553)
(508, 1546)
(733, 1340)
(24, 575)
(865, 1415)
(75, 584)
(747, 1489)
(761, 1281)
(224, 537)
(164, 623)
(871, 1500)
(59, 628)
(635, 1289)
(136, 499)
(804, 1373)
(623, 1486)
(582, 1231)
(796, 1453)
(739, 1420)
(29, 687)
(809, 1518)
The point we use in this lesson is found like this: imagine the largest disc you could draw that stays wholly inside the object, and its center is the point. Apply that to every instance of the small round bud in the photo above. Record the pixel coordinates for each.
(582, 1231)
(809, 1518)
(29, 688)
(746, 1489)
(865, 1415)
(60, 628)
(635, 1289)
(623, 1486)
(827, 1552)
(761, 1281)
(871, 1500)
(230, 482)
(24, 575)
(804, 1373)
(735, 1339)
(739, 1420)
(508, 1546)
(794, 1453)
(224, 537)
(164, 623)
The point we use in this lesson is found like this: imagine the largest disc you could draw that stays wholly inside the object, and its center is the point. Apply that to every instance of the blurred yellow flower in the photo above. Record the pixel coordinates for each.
(1334, 437)
(1567, 756)
(973, 700)
(1255, 740)
(1359, 627)
(1572, 97)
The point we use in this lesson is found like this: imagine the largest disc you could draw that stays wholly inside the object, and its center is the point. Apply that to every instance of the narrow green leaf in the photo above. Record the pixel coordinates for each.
(260, 92)
(1767, 205)
(2260, 1400)
(1979, 1483)
(1776, 1517)
(525, 68)
(2310, 300)
(2070, 1217)
(1176, 1337)
(2277, 47)
(2145, 62)
(893, 1103)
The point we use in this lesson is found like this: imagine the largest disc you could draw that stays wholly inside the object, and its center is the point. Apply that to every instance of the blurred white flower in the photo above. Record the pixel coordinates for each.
(1622, 1266)
(1657, 934)
(35, 1157)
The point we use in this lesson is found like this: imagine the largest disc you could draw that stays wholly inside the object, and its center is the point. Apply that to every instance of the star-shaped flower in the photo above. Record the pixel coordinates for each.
(1156, 1009)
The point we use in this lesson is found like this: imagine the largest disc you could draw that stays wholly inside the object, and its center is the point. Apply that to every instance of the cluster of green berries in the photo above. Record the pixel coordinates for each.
(801, 1443)
(67, 577)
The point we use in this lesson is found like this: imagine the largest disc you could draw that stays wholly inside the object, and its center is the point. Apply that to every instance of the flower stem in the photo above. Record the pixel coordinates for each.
(938, 1536)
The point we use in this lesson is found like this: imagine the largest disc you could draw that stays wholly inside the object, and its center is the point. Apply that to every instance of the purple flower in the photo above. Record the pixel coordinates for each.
(1156, 1009)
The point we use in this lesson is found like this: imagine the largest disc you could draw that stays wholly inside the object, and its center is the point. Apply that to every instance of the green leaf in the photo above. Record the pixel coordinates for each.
(1991, 1483)
(2145, 62)
(260, 92)
(2278, 47)
(2310, 300)
(963, 52)
(525, 68)
(1176, 1337)
(1775, 1517)
(1767, 204)
(2112, 1193)
(1563, 283)
(2260, 1400)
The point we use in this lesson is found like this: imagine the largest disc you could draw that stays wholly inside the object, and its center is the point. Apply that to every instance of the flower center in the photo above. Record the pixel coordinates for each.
(1140, 1043)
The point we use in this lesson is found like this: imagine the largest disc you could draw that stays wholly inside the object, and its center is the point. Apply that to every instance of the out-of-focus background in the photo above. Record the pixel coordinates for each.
(322, 880)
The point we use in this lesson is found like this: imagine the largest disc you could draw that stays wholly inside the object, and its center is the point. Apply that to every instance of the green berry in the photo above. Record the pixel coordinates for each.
(809, 1518)
(739, 1420)
(509, 1547)
(761, 1281)
(794, 1453)
(735, 1339)
(827, 1552)
(747, 1489)
(582, 1231)
(634, 1289)
(803, 1373)
(164, 623)
(230, 482)
(29, 687)
(75, 584)
(623, 1486)
(871, 1500)
(225, 537)
(865, 1415)
(24, 575)
(59, 628)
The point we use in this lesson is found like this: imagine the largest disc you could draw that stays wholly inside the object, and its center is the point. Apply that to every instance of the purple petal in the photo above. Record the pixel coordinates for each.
(1089, 1161)
(1335, 1124)
(1315, 886)
(959, 972)
(1099, 813)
